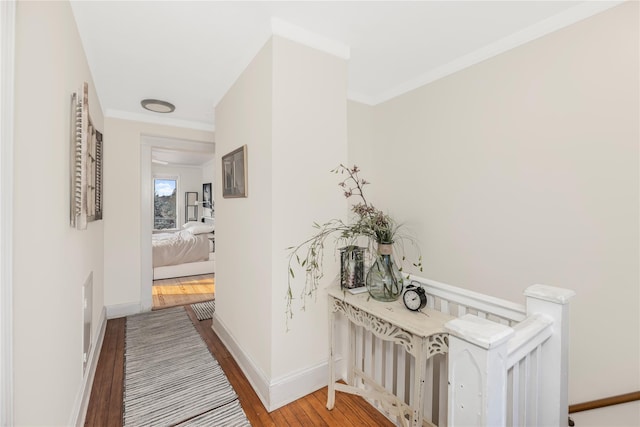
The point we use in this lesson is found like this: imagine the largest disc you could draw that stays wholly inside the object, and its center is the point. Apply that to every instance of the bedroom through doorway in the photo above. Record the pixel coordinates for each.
(178, 240)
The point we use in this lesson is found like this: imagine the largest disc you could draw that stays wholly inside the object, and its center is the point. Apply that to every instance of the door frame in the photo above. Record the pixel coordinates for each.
(147, 144)
(7, 66)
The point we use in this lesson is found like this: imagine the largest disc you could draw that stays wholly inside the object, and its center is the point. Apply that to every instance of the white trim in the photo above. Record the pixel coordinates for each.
(295, 385)
(123, 310)
(308, 38)
(160, 120)
(147, 143)
(81, 404)
(179, 165)
(146, 227)
(365, 99)
(256, 377)
(542, 28)
(275, 393)
(177, 144)
(7, 64)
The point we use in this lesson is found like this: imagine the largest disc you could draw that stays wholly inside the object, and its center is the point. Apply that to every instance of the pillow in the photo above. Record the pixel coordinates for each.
(190, 224)
(200, 228)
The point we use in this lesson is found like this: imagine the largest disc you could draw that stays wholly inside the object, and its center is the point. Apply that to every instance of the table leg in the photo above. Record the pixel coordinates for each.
(331, 391)
(418, 390)
(351, 359)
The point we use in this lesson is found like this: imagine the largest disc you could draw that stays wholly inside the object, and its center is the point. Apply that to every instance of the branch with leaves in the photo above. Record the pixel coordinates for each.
(368, 222)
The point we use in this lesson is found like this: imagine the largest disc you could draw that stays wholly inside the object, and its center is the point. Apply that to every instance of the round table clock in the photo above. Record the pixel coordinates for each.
(415, 298)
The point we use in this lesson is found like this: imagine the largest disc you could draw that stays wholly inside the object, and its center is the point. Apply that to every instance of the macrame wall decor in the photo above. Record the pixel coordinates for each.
(86, 163)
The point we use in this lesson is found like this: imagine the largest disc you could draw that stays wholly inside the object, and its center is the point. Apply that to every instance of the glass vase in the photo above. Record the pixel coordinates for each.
(384, 281)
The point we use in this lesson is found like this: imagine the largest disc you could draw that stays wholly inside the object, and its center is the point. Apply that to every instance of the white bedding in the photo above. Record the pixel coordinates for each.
(179, 248)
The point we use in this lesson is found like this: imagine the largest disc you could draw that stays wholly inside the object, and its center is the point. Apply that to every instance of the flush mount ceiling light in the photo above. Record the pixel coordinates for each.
(157, 106)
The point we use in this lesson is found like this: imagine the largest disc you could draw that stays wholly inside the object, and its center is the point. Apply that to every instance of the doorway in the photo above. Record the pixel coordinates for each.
(167, 155)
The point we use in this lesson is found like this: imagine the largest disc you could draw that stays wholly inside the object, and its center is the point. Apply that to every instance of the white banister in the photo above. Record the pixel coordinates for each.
(477, 371)
(529, 334)
(554, 304)
(465, 298)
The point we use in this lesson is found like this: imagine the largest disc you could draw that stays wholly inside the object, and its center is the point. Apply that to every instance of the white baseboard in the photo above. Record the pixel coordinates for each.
(122, 310)
(276, 393)
(256, 377)
(81, 405)
(295, 385)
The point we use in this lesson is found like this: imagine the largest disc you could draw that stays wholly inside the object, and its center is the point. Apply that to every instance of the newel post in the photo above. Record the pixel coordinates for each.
(553, 303)
(477, 371)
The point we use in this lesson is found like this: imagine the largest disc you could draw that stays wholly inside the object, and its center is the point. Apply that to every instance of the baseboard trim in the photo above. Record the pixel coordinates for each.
(123, 310)
(283, 390)
(256, 377)
(81, 405)
(295, 385)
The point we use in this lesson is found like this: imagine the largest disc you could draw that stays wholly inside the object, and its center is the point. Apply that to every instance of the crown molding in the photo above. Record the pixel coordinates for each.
(533, 32)
(308, 38)
(362, 98)
(166, 121)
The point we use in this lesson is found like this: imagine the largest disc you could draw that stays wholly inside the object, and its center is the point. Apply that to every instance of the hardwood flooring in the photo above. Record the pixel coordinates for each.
(182, 290)
(105, 404)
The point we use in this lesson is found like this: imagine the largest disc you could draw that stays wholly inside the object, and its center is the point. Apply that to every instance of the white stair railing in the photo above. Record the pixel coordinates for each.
(458, 302)
(554, 355)
(501, 375)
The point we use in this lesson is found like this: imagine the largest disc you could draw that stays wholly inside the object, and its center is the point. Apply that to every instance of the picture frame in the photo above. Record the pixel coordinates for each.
(206, 195)
(234, 173)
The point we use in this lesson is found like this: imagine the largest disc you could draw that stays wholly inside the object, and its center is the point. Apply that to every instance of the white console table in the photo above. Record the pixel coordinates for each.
(421, 333)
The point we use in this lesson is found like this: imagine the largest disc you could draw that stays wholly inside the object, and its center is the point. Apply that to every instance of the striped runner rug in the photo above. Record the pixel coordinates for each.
(204, 310)
(171, 378)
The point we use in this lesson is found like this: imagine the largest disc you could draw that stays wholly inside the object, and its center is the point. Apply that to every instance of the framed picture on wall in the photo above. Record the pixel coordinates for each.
(234, 173)
(206, 195)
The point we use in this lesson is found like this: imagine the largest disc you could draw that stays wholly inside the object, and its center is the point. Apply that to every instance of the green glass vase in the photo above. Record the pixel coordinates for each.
(384, 281)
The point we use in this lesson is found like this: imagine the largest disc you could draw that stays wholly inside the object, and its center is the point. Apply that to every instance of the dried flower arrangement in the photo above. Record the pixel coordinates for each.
(367, 221)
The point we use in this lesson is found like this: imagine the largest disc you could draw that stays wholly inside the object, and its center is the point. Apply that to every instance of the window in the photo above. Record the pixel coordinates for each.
(165, 203)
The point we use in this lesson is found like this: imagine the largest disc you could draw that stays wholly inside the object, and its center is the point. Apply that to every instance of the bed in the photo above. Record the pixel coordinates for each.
(187, 252)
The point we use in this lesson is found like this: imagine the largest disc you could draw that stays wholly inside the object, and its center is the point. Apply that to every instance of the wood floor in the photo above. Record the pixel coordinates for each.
(182, 290)
(105, 404)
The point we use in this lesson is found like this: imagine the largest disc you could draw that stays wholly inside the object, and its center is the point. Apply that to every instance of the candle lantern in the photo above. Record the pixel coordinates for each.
(352, 267)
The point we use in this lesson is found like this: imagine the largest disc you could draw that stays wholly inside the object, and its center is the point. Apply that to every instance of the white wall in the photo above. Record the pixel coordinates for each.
(289, 107)
(361, 134)
(122, 201)
(51, 259)
(309, 140)
(243, 225)
(524, 169)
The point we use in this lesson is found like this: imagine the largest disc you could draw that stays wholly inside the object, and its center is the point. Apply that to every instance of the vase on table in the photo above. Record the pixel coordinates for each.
(384, 281)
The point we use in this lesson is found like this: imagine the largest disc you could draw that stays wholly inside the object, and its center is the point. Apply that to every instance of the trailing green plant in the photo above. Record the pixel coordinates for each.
(366, 221)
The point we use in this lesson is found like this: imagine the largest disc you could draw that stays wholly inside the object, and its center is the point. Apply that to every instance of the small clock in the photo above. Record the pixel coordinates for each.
(415, 298)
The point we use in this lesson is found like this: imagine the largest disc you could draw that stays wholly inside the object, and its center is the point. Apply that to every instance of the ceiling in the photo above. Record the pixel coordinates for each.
(190, 52)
